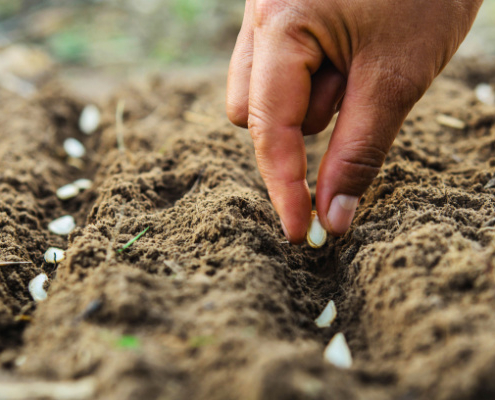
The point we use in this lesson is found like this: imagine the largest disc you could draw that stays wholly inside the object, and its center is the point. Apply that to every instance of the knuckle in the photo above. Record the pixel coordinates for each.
(362, 162)
(256, 123)
(400, 91)
(267, 10)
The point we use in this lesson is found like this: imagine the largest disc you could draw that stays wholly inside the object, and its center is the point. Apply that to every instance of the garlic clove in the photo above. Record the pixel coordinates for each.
(327, 316)
(89, 120)
(67, 192)
(337, 352)
(63, 225)
(36, 289)
(54, 254)
(316, 235)
(74, 148)
(83, 184)
(485, 94)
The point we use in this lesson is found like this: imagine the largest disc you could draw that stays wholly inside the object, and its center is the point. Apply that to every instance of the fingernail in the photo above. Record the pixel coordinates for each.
(341, 213)
(285, 230)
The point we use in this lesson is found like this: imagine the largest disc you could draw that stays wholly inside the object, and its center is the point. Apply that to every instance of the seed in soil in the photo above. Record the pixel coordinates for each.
(484, 93)
(54, 255)
(63, 225)
(67, 192)
(83, 184)
(490, 184)
(337, 352)
(36, 289)
(89, 120)
(327, 316)
(316, 235)
(74, 148)
(450, 122)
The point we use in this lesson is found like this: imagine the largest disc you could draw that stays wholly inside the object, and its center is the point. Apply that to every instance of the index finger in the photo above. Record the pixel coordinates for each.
(279, 96)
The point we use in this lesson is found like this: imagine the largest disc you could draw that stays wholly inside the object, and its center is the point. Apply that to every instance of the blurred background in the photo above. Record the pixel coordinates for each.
(105, 41)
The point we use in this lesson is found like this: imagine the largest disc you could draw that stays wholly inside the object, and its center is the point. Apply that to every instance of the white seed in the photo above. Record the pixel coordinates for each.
(327, 316)
(19, 361)
(74, 148)
(63, 225)
(36, 289)
(89, 120)
(67, 192)
(316, 235)
(450, 122)
(337, 352)
(484, 93)
(54, 254)
(83, 184)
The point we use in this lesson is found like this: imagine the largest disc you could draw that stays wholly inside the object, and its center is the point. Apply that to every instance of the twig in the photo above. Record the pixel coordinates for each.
(68, 390)
(130, 242)
(5, 263)
(119, 125)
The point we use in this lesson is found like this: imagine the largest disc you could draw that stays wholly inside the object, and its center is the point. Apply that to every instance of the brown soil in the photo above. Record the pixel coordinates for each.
(220, 305)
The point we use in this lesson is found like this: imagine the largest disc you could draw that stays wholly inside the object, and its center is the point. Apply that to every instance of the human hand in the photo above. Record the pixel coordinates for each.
(293, 62)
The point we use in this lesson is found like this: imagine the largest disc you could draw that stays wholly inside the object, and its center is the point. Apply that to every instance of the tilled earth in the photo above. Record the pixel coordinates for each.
(212, 302)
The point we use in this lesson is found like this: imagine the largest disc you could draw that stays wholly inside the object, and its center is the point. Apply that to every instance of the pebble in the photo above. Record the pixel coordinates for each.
(337, 352)
(63, 225)
(54, 254)
(89, 120)
(74, 148)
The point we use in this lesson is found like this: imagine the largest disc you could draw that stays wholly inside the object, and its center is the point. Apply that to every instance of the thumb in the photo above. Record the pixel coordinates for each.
(376, 103)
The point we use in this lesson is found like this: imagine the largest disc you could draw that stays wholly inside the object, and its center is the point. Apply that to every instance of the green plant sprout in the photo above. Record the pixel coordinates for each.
(128, 342)
(131, 242)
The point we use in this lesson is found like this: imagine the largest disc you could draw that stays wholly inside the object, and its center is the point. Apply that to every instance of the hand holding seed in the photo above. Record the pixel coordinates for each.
(291, 66)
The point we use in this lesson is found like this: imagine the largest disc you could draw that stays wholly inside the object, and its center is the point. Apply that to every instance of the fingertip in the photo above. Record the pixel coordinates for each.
(293, 206)
(340, 214)
(237, 112)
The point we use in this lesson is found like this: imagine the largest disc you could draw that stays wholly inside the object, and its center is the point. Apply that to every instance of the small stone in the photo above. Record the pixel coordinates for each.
(89, 120)
(67, 192)
(53, 254)
(74, 148)
(83, 184)
(337, 352)
(63, 225)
